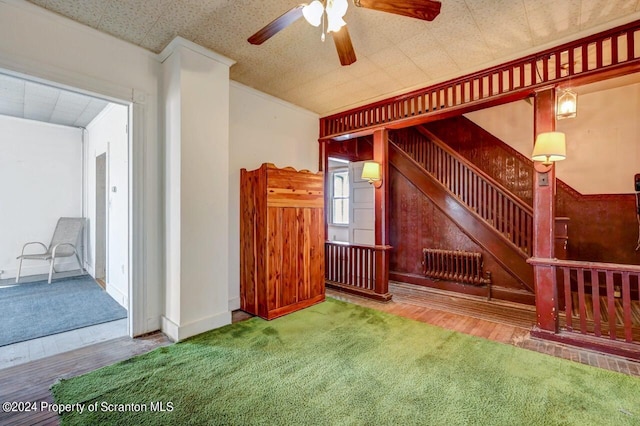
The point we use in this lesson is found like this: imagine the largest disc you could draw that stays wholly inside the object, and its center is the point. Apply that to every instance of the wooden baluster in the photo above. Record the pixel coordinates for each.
(568, 298)
(611, 309)
(490, 85)
(361, 270)
(375, 267)
(350, 272)
(626, 307)
(581, 301)
(336, 263)
(595, 296)
(571, 70)
(367, 269)
(585, 57)
(630, 45)
(614, 50)
(521, 75)
(599, 54)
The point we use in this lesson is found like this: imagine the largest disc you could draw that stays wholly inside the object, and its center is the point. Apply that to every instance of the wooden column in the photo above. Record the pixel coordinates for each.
(381, 155)
(543, 220)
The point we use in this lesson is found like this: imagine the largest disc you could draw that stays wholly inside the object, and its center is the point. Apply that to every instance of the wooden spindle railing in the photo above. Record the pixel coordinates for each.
(601, 300)
(615, 51)
(479, 191)
(358, 269)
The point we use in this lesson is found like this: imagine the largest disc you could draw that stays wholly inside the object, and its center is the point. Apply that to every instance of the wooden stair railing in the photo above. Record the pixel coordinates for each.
(612, 53)
(601, 305)
(478, 191)
(358, 269)
(505, 252)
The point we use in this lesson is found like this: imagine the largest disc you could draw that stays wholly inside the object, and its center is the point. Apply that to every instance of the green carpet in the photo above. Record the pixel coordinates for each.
(338, 363)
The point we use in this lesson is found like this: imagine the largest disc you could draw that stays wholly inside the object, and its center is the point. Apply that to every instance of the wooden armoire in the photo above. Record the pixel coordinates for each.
(281, 240)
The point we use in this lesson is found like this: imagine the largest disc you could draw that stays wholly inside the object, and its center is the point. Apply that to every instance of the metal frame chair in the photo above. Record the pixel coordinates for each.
(63, 244)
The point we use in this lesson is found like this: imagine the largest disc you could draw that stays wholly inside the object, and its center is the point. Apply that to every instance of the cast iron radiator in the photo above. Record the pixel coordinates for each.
(454, 265)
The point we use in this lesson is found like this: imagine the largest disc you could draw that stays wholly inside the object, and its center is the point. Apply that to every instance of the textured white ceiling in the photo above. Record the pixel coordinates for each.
(395, 54)
(35, 101)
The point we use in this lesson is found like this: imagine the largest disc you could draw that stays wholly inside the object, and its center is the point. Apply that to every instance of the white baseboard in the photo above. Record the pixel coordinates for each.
(89, 269)
(177, 332)
(118, 296)
(234, 303)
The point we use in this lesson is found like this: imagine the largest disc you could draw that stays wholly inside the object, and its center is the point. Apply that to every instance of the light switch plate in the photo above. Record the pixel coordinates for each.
(543, 179)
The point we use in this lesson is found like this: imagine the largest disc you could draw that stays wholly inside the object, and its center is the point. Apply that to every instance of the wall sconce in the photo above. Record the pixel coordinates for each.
(372, 171)
(567, 104)
(549, 148)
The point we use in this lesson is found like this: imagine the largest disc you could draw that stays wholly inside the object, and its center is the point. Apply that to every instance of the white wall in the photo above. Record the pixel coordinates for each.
(36, 42)
(107, 133)
(40, 181)
(603, 137)
(603, 142)
(263, 129)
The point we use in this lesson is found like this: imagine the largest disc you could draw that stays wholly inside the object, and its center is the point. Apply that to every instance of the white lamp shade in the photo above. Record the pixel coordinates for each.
(371, 171)
(550, 147)
(313, 13)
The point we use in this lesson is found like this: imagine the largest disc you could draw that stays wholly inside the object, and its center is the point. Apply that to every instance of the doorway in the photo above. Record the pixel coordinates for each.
(101, 220)
(81, 142)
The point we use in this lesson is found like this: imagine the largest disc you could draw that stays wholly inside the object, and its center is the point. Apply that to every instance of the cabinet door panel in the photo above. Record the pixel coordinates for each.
(303, 256)
(289, 284)
(274, 256)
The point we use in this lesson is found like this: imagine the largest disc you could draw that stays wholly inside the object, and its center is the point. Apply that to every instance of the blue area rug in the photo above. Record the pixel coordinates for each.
(38, 309)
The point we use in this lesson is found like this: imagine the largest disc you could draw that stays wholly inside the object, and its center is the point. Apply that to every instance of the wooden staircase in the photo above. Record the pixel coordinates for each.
(484, 210)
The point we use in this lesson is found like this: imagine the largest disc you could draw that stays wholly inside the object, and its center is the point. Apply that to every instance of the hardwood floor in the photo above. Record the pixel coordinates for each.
(498, 321)
(31, 350)
(502, 322)
(31, 381)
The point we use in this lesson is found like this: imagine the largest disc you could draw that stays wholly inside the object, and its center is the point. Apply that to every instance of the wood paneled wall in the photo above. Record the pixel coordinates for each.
(416, 224)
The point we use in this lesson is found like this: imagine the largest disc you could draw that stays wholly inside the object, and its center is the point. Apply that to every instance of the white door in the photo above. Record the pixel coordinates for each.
(361, 207)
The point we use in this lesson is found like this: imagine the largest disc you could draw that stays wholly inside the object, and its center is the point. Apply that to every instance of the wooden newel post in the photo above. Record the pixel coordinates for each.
(381, 155)
(382, 271)
(544, 187)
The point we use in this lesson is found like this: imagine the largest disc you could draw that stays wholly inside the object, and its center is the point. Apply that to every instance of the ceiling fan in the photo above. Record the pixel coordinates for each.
(329, 13)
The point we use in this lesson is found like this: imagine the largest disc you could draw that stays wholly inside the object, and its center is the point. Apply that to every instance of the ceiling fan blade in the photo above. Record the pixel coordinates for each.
(426, 10)
(277, 25)
(342, 39)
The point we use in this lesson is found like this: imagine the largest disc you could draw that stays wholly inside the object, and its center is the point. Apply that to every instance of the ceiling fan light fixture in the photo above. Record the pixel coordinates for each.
(336, 9)
(335, 24)
(313, 13)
